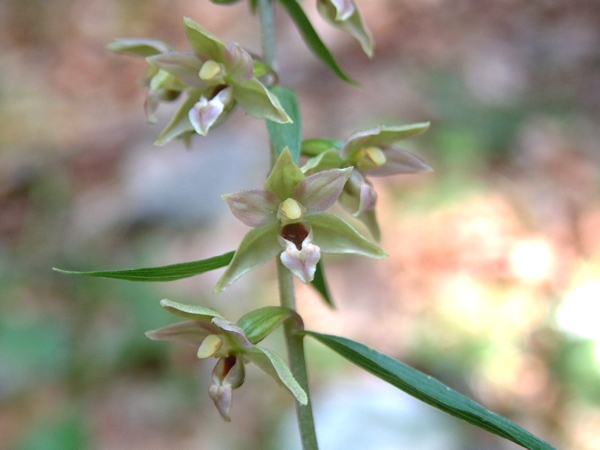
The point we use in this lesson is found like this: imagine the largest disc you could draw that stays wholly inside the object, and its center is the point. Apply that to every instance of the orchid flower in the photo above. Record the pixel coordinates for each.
(234, 346)
(228, 67)
(344, 14)
(215, 75)
(371, 153)
(289, 220)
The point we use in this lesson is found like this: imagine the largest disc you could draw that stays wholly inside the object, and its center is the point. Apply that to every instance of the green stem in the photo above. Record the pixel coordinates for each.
(287, 293)
(295, 347)
(267, 23)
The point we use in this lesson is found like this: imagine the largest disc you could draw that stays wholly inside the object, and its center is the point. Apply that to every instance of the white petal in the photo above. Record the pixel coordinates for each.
(205, 113)
(303, 262)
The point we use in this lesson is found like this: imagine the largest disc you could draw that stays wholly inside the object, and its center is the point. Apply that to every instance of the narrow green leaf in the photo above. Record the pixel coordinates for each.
(429, 390)
(287, 134)
(164, 273)
(313, 40)
(320, 284)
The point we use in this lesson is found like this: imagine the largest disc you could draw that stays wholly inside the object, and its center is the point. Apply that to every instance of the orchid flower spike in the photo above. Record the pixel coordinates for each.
(233, 344)
(371, 153)
(289, 220)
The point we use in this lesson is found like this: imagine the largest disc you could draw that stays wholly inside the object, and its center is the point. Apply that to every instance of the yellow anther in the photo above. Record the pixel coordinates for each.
(291, 209)
(210, 69)
(369, 158)
(209, 346)
(376, 155)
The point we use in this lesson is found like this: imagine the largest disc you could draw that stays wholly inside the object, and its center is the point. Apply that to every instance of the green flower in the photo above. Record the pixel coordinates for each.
(233, 344)
(371, 153)
(289, 220)
(344, 14)
(228, 68)
(216, 76)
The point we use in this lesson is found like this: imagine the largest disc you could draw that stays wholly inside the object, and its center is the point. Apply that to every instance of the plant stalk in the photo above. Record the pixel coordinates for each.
(267, 24)
(287, 293)
(295, 346)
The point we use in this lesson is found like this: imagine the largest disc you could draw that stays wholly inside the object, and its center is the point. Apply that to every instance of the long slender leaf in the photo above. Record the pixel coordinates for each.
(429, 390)
(287, 134)
(313, 40)
(164, 273)
(320, 284)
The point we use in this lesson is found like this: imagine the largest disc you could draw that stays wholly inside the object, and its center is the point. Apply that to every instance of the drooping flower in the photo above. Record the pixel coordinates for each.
(233, 344)
(216, 76)
(344, 14)
(289, 220)
(371, 153)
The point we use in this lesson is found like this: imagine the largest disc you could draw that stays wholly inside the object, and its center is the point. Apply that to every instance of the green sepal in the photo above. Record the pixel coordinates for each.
(204, 42)
(258, 101)
(329, 159)
(258, 247)
(284, 176)
(191, 312)
(272, 364)
(334, 235)
(164, 273)
(312, 39)
(287, 134)
(314, 147)
(253, 6)
(140, 47)
(429, 390)
(258, 324)
(386, 136)
(320, 284)
(369, 219)
(180, 122)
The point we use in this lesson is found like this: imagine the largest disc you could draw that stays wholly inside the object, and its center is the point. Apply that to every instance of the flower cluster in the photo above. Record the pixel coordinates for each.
(234, 346)
(216, 76)
(371, 153)
(289, 220)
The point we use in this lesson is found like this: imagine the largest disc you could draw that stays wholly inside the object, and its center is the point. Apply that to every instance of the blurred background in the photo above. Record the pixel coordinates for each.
(493, 279)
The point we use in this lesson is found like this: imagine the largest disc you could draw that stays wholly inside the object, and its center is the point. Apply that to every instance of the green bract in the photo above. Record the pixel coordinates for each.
(233, 344)
(370, 153)
(289, 219)
(216, 76)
